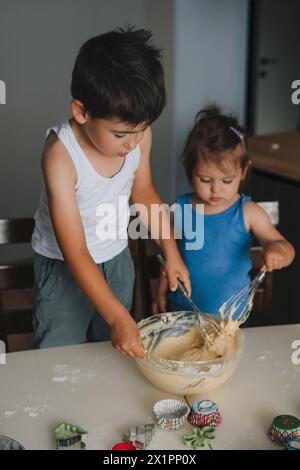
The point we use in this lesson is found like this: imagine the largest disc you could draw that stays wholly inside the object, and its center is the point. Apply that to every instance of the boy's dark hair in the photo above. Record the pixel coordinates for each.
(213, 133)
(119, 74)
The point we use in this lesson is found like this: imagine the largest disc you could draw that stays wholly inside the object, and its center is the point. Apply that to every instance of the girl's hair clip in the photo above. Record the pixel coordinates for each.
(237, 132)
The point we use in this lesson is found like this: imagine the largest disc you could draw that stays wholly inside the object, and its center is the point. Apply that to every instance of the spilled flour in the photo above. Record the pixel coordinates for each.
(32, 407)
(65, 374)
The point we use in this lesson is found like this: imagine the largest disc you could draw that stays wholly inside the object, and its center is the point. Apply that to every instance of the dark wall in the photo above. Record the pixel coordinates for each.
(286, 289)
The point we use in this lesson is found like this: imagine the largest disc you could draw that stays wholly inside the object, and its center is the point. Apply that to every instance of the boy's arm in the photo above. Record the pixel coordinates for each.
(144, 192)
(160, 303)
(278, 252)
(60, 179)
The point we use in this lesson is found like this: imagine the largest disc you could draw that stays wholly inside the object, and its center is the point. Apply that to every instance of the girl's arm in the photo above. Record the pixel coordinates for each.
(278, 252)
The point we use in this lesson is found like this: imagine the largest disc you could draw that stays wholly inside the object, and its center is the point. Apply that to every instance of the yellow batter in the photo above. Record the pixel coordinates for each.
(193, 347)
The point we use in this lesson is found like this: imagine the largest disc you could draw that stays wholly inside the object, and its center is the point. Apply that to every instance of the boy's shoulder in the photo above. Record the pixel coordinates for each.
(53, 145)
(55, 156)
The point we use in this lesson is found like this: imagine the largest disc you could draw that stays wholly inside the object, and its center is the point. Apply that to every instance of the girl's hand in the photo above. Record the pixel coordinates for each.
(274, 258)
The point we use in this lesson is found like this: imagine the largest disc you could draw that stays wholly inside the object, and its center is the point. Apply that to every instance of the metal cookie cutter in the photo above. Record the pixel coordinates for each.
(140, 436)
(67, 435)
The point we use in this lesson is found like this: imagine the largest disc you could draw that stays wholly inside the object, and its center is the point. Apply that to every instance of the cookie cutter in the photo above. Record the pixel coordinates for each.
(201, 438)
(139, 436)
(67, 435)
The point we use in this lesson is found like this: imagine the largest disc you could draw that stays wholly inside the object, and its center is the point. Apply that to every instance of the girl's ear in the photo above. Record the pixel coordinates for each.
(246, 169)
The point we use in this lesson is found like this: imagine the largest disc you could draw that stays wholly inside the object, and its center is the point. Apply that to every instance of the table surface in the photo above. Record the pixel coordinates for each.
(277, 154)
(93, 386)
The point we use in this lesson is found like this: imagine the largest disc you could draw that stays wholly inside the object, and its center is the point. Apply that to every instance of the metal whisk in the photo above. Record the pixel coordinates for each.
(208, 318)
(242, 302)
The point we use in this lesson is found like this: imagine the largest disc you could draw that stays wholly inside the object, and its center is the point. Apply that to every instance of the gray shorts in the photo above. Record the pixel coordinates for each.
(63, 313)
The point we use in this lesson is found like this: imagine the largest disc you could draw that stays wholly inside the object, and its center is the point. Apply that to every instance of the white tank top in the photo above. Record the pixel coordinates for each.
(103, 204)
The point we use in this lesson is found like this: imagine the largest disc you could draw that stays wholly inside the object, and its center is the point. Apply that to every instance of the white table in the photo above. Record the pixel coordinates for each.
(95, 387)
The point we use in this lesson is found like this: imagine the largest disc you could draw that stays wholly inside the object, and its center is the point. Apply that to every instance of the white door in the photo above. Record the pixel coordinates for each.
(277, 58)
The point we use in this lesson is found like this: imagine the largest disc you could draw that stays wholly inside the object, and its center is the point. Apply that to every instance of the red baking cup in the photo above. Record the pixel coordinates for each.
(123, 446)
(204, 413)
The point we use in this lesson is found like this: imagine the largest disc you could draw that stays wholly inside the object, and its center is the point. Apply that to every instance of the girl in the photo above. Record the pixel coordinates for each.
(216, 162)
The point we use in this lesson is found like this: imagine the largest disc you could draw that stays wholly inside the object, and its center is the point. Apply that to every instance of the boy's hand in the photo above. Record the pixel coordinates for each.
(175, 268)
(126, 337)
(274, 258)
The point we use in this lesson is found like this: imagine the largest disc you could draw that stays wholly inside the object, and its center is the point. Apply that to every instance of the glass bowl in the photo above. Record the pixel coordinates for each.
(6, 443)
(180, 377)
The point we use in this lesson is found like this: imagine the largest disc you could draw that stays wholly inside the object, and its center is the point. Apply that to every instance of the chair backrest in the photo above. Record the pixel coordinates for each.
(147, 272)
(16, 230)
(14, 276)
(262, 305)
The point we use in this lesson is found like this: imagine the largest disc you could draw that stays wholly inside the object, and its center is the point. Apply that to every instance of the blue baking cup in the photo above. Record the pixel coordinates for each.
(293, 444)
(204, 407)
(204, 413)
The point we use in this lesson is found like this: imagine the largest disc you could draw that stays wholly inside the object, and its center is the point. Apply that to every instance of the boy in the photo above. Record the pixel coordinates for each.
(84, 280)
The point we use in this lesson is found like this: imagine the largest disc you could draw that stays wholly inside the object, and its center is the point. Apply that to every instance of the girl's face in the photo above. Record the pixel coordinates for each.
(217, 187)
(113, 137)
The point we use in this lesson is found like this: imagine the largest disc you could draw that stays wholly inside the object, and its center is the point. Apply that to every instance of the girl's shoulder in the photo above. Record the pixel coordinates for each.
(253, 213)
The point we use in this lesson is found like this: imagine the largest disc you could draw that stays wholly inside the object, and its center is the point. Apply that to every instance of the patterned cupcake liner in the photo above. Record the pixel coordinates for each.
(283, 429)
(204, 413)
(293, 444)
(170, 414)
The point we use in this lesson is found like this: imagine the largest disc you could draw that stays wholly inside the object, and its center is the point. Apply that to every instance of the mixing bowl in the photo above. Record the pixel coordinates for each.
(179, 377)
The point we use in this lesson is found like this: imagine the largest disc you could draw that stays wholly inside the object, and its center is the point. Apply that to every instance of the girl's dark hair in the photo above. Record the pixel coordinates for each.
(213, 134)
(119, 74)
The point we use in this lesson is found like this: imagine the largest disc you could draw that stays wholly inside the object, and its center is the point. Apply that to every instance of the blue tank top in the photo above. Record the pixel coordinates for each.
(220, 268)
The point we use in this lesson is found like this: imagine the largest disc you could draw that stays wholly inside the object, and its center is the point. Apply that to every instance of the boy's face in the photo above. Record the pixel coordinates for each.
(215, 186)
(112, 137)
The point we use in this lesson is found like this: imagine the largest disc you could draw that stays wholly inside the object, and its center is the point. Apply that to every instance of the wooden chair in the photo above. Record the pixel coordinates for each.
(262, 305)
(148, 270)
(15, 276)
